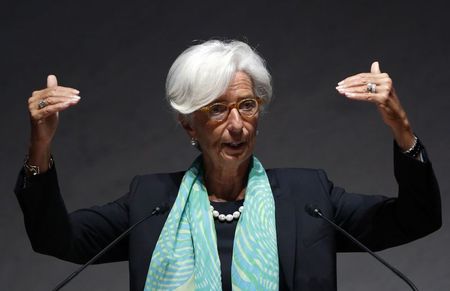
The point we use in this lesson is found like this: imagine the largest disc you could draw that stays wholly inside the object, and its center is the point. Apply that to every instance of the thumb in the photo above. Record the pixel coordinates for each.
(375, 68)
(52, 81)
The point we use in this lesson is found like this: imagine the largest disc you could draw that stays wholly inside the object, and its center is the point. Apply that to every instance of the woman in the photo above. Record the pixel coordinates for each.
(232, 223)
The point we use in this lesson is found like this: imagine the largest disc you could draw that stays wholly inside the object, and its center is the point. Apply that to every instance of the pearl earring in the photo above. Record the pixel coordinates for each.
(193, 142)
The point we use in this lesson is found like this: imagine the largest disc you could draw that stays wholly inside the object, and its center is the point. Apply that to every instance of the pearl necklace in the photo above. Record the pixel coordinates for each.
(226, 217)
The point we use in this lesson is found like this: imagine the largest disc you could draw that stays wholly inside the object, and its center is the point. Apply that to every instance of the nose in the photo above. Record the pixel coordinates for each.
(235, 122)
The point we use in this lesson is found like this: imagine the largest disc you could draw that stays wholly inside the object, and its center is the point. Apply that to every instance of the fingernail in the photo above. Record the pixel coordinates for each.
(349, 94)
(76, 97)
(76, 91)
(340, 83)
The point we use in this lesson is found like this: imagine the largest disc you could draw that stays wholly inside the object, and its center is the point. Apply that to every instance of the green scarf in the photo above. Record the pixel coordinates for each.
(186, 256)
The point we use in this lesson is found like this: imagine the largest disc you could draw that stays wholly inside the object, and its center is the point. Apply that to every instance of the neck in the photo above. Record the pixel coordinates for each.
(226, 182)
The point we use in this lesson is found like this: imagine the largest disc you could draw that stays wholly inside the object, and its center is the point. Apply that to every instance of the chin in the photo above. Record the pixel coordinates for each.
(236, 157)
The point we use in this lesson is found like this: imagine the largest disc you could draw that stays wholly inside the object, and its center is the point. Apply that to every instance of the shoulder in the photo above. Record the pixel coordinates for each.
(293, 171)
(298, 181)
(158, 186)
(297, 175)
(297, 187)
(159, 178)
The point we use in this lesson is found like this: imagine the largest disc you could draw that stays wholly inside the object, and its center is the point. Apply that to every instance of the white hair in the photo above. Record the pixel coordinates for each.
(203, 72)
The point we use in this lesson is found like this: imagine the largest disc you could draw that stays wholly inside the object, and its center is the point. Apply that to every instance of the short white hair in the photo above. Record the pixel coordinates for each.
(203, 72)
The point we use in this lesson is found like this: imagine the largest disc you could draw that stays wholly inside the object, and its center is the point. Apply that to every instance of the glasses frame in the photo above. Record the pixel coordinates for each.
(207, 108)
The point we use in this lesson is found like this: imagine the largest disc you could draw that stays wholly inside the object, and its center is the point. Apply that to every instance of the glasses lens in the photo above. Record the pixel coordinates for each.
(218, 111)
(248, 107)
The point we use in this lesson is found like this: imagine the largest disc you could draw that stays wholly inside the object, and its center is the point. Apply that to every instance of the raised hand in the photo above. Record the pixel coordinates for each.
(44, 107)
(377, 87)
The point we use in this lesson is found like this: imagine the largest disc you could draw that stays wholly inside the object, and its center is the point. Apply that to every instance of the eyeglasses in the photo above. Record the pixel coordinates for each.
(247, 108)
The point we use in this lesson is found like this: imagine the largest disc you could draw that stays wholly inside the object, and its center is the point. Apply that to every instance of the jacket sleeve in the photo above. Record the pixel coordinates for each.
(75, 237)
(381, 222)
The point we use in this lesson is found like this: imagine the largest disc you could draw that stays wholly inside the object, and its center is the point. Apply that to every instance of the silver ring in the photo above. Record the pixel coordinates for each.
(371, 88)
(42, 103)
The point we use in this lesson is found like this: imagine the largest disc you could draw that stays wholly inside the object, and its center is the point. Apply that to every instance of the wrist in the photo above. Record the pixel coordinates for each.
(404, 136)
(39, 155)
(415, 150)
(39, 143)
(32, 169)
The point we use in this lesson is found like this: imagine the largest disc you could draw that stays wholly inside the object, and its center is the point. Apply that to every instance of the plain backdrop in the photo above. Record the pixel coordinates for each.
(117, 53)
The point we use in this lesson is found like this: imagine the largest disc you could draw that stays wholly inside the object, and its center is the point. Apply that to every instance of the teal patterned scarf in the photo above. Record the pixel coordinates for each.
(186, 256)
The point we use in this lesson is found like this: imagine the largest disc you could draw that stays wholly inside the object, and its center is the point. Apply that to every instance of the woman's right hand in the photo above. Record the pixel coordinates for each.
(44, 120)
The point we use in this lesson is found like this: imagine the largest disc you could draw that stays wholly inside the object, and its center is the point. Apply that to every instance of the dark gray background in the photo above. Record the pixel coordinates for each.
(117, 54)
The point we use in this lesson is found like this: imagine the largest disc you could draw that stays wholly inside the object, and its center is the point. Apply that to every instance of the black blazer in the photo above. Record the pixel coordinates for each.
(306, 246)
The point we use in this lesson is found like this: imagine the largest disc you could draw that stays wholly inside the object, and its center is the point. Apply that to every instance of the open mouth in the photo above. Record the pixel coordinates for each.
(234, 145)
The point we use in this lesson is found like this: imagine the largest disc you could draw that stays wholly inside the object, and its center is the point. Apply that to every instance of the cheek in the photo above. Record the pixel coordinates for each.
(251, 131)
(252, 127)
(212, 137)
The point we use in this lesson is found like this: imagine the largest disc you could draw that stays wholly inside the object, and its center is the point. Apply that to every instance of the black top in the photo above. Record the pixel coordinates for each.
(306, 245)
(225, 238)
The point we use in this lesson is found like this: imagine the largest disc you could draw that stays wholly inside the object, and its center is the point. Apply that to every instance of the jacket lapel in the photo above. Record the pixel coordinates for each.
(286, 230)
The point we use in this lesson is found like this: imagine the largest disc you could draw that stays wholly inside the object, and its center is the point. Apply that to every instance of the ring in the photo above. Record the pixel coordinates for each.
(371, 88)
(42, 103)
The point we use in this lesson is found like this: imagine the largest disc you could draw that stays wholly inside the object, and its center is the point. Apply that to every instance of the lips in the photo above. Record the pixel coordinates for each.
(234, 145)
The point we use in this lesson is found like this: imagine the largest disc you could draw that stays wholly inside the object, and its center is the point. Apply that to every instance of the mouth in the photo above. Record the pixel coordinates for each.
(235, 146)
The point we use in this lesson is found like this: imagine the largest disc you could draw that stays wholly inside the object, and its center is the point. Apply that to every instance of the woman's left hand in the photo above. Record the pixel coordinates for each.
(383, 94)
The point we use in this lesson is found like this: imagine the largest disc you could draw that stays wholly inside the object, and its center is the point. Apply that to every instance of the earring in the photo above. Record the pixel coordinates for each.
(193, 142)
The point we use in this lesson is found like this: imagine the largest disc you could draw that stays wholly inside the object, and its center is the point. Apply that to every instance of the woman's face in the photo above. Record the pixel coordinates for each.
(229, 142)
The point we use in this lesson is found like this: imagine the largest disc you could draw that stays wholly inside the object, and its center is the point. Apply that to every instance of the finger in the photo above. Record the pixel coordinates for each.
(59, 91)
(362, 78)
(51, 81)
(34, 103)
(362, 89)
(375, 68)
(362, 81)
(38, 114)
(367, 96)
(37, 92)
(55, 100)
(55, 91)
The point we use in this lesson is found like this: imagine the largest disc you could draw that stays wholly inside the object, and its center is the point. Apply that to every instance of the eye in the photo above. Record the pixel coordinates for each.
(248, 105)
(217, 109)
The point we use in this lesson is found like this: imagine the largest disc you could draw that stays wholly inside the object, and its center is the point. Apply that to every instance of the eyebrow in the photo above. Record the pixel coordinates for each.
(220, 99)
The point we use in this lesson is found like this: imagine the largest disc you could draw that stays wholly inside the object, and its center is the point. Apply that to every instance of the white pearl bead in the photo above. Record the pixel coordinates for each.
(226, 217)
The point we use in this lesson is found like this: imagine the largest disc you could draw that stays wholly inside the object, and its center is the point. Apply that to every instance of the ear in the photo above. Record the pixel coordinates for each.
(186, 123)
